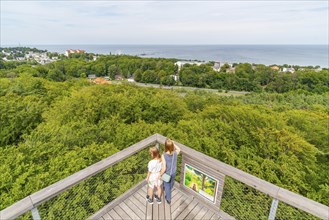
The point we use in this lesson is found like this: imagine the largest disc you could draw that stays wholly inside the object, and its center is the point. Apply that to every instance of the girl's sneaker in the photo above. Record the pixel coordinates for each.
(157, 199)
(149, 200)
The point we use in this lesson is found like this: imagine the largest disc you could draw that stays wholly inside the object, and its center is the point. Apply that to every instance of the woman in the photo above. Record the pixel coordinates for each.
(169, 166)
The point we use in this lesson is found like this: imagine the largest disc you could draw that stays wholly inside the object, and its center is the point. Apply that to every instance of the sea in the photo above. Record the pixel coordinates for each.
(303, 55)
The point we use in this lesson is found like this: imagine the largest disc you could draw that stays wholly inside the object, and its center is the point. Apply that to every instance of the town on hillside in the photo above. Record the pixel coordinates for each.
(36, 55)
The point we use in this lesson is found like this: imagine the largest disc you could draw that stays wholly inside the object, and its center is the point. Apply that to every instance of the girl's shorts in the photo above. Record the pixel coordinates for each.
(154, 181)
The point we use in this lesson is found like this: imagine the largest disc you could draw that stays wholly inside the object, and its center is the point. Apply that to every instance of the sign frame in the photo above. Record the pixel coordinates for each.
(207, 175)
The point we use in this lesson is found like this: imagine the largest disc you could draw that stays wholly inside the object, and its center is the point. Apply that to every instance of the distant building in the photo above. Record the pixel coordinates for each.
(180, 64)
(318, 69)
(216, 66)
(275, 68)
(70, 51)
(288, 69)
(91, 76)
(231, 70)
(226, 68)
(118, 77)
(175, 77)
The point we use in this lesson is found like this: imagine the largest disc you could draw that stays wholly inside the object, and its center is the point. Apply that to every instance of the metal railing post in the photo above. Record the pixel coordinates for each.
(182, 170)
(35, 214)
(274, 207)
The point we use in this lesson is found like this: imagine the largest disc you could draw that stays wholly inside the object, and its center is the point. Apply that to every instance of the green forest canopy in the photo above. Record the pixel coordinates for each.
(50, 130)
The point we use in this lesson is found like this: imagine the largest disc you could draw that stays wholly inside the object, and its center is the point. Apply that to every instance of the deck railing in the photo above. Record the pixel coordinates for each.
(83, 193)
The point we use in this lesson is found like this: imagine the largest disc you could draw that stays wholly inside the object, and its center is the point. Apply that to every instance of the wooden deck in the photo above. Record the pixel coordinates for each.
(133, 205)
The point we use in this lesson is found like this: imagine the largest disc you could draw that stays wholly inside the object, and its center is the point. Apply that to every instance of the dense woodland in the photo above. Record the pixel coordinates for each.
(54, 122)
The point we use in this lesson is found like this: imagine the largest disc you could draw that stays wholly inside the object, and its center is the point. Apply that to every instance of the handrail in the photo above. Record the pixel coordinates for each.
(276, 192)
(49, 192)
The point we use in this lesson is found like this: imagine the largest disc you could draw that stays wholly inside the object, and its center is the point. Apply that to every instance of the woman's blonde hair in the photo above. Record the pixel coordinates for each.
(155, 154)
(169, 145)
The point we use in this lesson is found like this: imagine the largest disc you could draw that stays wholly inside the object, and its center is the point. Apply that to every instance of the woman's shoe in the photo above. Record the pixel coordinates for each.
(167, 200)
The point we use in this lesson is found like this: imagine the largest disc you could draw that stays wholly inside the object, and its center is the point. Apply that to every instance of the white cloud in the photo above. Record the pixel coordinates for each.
(164, 22)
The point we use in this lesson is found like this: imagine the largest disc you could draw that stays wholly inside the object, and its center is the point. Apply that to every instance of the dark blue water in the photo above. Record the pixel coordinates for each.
(263, 54)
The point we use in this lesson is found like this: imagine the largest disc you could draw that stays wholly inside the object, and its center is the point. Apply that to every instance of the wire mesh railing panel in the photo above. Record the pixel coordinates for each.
(243, 202)
(92, 194)
(179, 170)
(25, 216)
(286, 211)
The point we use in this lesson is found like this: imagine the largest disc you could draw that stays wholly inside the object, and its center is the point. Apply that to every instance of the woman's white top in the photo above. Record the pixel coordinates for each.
(154, 166)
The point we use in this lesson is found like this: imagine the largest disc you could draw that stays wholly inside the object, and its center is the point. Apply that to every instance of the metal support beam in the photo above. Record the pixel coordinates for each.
(35, 214)
(274, 207)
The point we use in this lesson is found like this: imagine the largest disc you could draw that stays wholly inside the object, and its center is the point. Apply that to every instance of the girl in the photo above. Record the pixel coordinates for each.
(169, 166)
(153, 175)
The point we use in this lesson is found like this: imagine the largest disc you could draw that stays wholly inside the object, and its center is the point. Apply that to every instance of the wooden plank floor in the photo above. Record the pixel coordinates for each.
(134, 206)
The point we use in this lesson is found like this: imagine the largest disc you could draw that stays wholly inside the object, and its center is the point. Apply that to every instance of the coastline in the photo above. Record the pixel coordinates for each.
(302, 55)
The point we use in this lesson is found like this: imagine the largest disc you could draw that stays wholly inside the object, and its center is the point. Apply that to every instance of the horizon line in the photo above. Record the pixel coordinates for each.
(121, 44)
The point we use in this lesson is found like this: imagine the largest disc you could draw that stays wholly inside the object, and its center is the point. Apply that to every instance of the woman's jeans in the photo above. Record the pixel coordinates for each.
(168, 187)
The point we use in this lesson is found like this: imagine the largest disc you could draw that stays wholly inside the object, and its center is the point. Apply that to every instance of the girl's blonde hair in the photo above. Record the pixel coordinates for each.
(169, 146)
(155, 154)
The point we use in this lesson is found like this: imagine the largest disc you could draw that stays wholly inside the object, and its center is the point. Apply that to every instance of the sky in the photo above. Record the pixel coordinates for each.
(163, 22)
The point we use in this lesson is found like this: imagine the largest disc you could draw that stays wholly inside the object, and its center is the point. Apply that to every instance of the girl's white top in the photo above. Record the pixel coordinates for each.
(154, 166)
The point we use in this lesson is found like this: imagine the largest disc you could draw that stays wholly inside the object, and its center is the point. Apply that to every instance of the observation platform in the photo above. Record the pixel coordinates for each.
(133, 205)
(205, 188)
